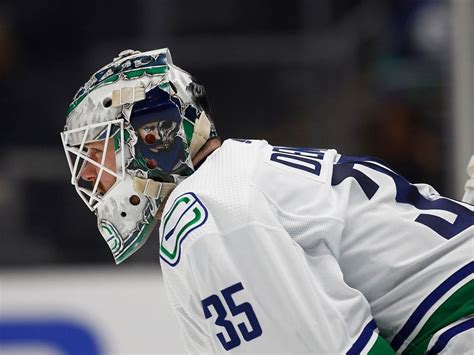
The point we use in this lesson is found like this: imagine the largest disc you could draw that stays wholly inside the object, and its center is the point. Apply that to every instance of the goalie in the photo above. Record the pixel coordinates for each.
(263, 248)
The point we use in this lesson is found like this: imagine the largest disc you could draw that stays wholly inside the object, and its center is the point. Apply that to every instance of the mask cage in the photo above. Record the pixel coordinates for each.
(77, 157)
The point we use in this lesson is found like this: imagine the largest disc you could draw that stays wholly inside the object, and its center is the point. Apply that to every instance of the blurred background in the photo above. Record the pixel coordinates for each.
(390, 78)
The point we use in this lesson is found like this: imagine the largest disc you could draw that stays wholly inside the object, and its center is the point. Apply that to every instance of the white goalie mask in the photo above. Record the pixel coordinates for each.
(131, 132)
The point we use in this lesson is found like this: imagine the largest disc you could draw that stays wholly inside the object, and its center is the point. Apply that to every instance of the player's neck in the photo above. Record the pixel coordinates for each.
(206, 150)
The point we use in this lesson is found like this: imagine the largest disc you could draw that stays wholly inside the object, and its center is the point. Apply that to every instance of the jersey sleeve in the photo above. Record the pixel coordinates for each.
(251, 289)
(405, 247)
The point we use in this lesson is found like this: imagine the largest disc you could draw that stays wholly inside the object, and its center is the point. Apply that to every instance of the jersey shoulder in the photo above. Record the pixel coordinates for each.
(212, 200)
(296, 181)
(314, 164)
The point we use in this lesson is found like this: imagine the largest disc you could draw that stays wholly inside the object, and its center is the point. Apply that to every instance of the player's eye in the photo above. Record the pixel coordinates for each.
(94, 152)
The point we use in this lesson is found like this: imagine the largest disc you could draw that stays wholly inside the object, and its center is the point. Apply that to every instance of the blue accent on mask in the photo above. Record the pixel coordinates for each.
(165, 159)
(158, 107)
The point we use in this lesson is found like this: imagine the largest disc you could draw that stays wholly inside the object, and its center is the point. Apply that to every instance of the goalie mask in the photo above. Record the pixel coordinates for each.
(131, 132)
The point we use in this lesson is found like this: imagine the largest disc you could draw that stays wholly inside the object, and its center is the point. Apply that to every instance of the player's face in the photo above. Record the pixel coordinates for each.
(90, 172)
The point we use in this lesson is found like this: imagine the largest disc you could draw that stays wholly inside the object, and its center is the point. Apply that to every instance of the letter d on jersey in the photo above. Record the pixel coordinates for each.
(185, 215)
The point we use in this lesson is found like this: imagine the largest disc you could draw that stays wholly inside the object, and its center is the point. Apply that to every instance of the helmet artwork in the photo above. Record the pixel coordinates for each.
(149, 118)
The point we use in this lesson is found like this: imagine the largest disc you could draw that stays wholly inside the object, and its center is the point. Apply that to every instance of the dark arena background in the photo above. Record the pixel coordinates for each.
(389, 78)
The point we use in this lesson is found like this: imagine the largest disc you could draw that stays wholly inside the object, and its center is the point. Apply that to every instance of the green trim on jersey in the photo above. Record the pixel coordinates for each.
(460, 304)
(184, 199)
(187, 213)
(197, 217)
(381, 347)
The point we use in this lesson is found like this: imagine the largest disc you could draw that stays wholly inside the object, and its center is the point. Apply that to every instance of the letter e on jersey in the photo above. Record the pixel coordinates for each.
(306, 160)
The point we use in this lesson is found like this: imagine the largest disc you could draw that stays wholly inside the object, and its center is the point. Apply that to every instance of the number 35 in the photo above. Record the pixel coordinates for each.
(235, 309)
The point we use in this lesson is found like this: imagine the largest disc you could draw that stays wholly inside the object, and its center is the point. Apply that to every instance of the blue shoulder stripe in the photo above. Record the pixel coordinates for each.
(363, 339)
(428, 302)
(446, 336)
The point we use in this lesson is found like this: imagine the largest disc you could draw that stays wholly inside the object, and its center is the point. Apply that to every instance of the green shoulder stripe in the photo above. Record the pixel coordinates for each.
(460, 304)
(381, 347)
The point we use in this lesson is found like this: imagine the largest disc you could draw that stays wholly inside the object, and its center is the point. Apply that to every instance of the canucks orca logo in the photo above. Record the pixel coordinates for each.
(185, 215)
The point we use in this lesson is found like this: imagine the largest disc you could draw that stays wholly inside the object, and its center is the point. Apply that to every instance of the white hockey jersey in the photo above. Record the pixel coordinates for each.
(275, 226)
(240, 282)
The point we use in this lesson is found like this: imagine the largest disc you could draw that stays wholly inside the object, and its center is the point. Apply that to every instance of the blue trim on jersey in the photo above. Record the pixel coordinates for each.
(171, 232)
(428, 302)
(406, 193)
(206, 214)
(344, 159)
(363, 339)
(446, 336)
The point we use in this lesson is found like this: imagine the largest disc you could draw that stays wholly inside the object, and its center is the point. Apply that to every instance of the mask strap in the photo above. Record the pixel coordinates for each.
(127, 95)
(152, 188)
(202, 131)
